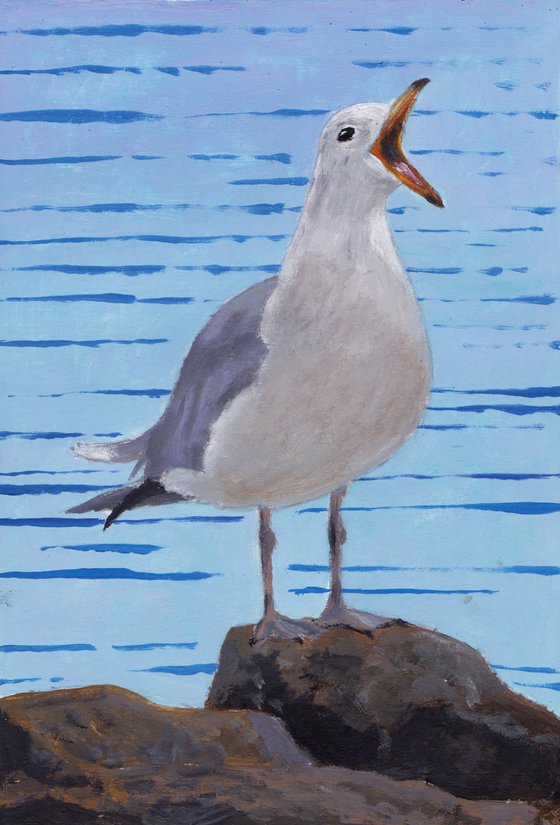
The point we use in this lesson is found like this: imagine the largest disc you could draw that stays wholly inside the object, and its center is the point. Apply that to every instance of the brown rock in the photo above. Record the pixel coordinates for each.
(402, 700)
(105, 755)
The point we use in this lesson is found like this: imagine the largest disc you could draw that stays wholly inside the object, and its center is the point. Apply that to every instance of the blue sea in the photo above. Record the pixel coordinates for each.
(154, 160)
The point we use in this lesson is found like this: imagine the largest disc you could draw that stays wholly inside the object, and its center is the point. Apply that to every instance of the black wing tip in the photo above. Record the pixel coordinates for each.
(135, 498)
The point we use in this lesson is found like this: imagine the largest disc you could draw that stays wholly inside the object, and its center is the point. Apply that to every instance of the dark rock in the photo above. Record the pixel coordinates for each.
(129, 762)
(402, 700)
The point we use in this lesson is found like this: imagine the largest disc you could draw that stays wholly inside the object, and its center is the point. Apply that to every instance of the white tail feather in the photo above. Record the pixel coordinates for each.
(130, 449)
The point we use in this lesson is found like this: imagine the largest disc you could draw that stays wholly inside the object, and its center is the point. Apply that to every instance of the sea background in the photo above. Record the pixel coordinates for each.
(154, 159)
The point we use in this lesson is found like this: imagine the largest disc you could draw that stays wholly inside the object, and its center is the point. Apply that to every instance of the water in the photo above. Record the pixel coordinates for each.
(155, 158)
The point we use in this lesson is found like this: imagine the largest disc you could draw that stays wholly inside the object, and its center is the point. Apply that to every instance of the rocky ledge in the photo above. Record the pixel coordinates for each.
(341, 707)
(402, 700)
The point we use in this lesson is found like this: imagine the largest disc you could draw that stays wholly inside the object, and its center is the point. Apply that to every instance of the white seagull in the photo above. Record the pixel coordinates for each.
(305, 381)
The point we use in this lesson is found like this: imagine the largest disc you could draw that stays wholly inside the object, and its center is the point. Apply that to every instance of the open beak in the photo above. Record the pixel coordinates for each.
(388, 146)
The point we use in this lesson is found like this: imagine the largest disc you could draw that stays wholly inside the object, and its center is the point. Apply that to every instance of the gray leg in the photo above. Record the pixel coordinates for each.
(336, 612)
(272, 622)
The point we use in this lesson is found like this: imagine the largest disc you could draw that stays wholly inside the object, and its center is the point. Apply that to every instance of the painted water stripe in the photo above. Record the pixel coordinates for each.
(156, 646)
(104, 298)
(67, 159)
(550, 670)
(77, 269)
(510, 409)
(486, 476)
(114, 573)
(49, 489)
(392, 591)
(54, 472)
(74, 648)
(137, 549)
(77, 116)
(48, 435)
(20, 681)
(526, 508)
(171, 239)
(181, 670)
(96, 522)
(519, 569)
(148, 393)
(546, 685)
(524, 392)
(120, 30)
(93, 344)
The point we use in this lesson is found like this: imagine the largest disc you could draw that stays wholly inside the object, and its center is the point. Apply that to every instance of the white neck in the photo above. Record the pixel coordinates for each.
(343, 225)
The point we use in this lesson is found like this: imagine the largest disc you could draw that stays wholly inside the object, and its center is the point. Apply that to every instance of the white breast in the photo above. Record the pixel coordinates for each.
(344, 384)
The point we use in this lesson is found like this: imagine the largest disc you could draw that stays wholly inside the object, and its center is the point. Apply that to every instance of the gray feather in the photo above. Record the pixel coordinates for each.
(224, 359)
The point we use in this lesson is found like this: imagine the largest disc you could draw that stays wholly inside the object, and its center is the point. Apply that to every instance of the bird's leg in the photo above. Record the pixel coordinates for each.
(272, 622)
(336, 612)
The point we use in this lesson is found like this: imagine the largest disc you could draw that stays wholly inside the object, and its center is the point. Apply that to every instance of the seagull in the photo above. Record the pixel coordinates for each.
(307, 380)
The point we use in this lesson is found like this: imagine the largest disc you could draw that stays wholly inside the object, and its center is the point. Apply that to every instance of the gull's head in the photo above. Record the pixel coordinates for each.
(364, 143)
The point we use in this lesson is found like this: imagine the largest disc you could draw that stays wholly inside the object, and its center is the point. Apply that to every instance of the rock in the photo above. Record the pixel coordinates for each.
(405, 701)
(105, 755)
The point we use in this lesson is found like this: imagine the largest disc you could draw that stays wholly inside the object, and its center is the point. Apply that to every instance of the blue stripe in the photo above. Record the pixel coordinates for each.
(273, 113)
(454, 152)
(525, 392)
(94, 344)
(270, 182)
(120, 30)
(527, 669)
(95, 69)
(543, 300)
(150, 393)
(102, 297)
(536, 210)
(548, 685)
(181, 670)
(35, 436)
(520, 229)
(251, 208)
(156, 646)
(490, 476)
(511, 409)
(138, 549)
(174, 239)
(49, 489)
(219, 269)
(55, 472)
(95, 573)
(211, 69)
(390, 591)
(263, 30)
(96, 522)
(519, 569)
(77, 116)
(44, 648)
(69, 159)
(449, 270)
(74, 269)
(525, 508)
(19, 681)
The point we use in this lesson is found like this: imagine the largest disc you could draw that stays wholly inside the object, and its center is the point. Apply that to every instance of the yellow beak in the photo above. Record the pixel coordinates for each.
(388, 146)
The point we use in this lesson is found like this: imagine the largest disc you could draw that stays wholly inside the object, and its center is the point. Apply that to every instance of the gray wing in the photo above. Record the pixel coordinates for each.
(224, 360)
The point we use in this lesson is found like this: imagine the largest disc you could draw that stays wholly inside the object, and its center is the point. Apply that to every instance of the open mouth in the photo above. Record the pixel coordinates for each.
(388, 146)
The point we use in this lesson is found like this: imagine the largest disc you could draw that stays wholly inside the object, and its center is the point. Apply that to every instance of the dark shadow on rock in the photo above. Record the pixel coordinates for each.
(406, 701)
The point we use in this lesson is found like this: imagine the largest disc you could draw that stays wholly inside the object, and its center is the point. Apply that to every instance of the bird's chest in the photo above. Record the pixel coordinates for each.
(336, 366)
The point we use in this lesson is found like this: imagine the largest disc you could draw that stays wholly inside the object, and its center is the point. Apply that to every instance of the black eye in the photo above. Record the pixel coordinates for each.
(346, 134)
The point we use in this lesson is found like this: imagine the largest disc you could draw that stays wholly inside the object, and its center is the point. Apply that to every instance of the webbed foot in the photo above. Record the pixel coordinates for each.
(343, 616)
(275, 625)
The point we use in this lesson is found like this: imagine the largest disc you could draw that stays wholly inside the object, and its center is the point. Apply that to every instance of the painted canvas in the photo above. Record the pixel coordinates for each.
(280, 466)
